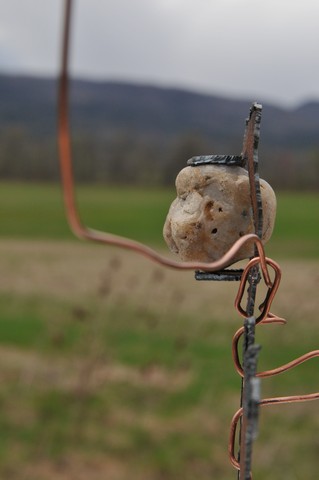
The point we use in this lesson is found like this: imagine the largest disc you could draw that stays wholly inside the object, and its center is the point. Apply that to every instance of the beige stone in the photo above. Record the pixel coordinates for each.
(212, 210)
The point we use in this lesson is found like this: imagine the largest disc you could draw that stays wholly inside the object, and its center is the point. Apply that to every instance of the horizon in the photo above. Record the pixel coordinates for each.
(144, 83)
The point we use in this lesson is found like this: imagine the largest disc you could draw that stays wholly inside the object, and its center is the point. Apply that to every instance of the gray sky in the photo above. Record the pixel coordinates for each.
(260, 50)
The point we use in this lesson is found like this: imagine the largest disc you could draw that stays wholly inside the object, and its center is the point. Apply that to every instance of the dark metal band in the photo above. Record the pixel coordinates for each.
(223, 275)
(232, 160)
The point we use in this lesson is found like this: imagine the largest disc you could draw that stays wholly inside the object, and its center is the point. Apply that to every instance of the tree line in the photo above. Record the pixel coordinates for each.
(127, 157)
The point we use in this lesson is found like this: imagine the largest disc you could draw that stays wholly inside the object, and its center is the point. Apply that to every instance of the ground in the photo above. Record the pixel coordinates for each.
(113, 367)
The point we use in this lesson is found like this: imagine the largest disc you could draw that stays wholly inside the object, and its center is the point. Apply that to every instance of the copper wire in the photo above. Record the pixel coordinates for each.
(265, 318)
(274, 371)
(272, 286)
(87, 233)
(67, 177)
(263, 403)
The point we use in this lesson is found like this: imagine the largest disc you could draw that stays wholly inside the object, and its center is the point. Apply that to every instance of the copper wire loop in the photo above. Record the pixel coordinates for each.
(274, 371)
(87, 233)
(263, 403)
(272, 288)
(264, 318)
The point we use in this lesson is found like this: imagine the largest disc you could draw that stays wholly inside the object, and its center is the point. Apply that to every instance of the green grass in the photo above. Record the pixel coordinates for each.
(296, 231)
(52, 409)
(36, 211)
(20, 331)
(123, 377)
(297, 216)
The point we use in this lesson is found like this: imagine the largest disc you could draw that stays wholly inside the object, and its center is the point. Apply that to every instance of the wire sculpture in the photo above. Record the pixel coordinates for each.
(258, 269)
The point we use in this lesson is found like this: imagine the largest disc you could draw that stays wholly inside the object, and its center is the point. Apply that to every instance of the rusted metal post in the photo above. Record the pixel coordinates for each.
(248, 421)
(250, 399)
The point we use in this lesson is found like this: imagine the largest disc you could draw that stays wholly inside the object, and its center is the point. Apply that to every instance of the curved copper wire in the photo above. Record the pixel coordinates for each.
(265, 318)
(238, 335)
(274, 371)
(84, 232)
(263, 403)
(73, 216)
(272, 288)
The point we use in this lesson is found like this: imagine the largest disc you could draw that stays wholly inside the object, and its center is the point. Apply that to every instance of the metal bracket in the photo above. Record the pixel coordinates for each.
(249, 160)
(229, 160)
(229, 275)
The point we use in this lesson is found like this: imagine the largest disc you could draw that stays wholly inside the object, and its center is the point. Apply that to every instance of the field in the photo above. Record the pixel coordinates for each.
(115, 368)
(36, 211)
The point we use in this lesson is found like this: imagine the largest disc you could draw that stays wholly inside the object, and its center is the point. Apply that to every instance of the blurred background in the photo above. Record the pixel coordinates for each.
(110, 365)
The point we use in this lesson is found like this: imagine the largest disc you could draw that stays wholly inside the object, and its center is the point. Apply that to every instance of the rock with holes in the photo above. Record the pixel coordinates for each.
(212, 210)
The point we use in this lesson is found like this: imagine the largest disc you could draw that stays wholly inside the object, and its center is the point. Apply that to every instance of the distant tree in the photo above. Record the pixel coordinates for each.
(23, 156)
(315, 165)
(181, 150)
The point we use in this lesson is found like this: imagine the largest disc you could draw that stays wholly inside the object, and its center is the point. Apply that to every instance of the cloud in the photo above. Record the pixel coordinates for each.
(29, 34)
(252, 48)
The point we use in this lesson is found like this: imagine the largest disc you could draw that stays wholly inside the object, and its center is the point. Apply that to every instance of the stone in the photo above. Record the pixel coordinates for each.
(212, 210)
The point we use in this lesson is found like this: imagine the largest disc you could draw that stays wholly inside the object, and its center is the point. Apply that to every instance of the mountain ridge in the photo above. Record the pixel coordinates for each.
(99, 105)
(145, 133)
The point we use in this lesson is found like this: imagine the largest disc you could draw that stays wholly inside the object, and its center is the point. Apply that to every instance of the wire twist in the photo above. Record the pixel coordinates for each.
(84, 232)
(265, 318)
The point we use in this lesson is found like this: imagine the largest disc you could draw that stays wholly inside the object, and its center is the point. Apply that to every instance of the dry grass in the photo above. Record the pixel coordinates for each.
(105, 406)
(69, 270)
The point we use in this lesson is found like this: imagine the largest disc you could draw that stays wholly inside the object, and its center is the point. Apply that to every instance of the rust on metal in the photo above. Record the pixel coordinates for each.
(250, 156)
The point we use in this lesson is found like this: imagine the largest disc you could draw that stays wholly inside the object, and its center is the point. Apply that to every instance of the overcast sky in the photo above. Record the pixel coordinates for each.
(254, 49)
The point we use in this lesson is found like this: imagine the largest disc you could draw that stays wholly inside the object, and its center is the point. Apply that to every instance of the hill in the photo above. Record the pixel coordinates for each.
(149, 109)
(104, 109)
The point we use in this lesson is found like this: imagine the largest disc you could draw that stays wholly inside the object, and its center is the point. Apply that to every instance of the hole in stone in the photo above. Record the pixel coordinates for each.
(241, 234)
(220, 209)
(214, 231)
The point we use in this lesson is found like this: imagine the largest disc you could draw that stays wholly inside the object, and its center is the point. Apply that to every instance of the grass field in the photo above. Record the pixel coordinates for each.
(114, 368)
(36, 211)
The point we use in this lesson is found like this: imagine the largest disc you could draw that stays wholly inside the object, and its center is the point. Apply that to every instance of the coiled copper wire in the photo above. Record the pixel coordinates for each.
(84, 232)
(263, 403)
(264, 318)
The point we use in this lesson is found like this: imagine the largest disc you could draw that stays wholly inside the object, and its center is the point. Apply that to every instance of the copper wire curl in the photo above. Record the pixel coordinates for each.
(84, 232)
(263, 403)
(266, 317)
